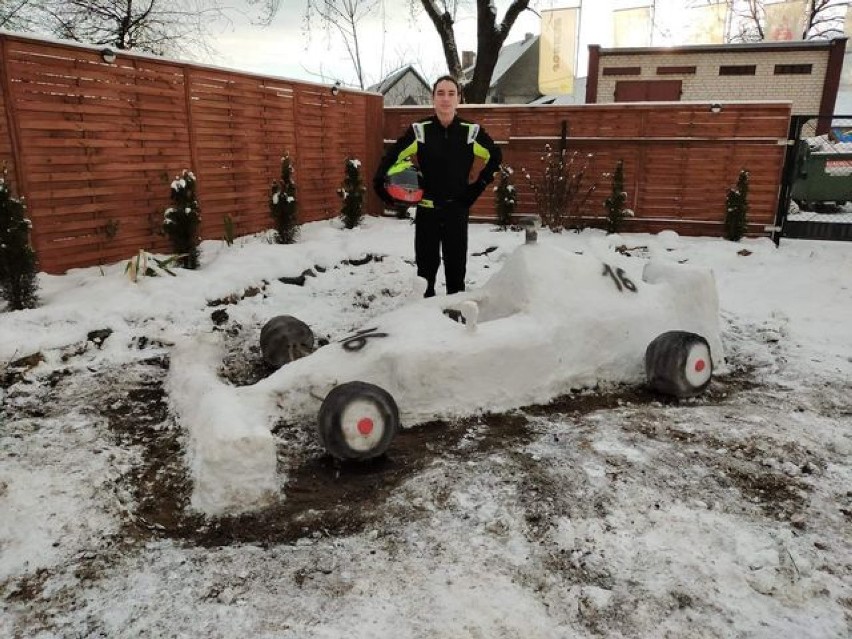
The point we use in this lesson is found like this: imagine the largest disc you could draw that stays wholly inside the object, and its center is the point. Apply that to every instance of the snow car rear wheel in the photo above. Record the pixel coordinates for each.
(285, 338)
(678, 363)
(357, 420)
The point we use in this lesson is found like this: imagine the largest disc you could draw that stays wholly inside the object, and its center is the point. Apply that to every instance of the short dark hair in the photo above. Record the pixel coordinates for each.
(446, 78)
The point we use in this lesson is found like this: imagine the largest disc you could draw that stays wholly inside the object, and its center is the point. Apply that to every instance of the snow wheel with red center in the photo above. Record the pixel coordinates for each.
(678, 363)
(357, 420)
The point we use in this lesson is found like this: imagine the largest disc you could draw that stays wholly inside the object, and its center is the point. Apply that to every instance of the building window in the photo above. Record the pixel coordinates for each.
(622, 71)
(793, 69)
(738, 69)
(676, 70)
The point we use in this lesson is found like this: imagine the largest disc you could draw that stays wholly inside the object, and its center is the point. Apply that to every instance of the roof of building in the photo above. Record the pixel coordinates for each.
(577, 96)
(773, 45)
(506, 59)
(391, 79)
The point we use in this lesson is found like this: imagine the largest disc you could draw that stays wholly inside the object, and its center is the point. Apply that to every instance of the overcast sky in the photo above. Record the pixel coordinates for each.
(389, 41)
(392, 38)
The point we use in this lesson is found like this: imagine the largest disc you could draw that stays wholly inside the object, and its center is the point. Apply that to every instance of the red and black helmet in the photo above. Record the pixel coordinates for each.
(402, 183)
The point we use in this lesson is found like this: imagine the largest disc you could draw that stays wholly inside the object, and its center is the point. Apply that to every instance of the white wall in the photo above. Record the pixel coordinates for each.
(805, 91)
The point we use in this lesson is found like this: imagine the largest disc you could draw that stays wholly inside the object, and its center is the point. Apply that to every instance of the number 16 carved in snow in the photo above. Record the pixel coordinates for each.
(620, 279)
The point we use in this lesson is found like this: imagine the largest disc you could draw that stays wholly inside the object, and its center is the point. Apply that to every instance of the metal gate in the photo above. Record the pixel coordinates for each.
(816, 190)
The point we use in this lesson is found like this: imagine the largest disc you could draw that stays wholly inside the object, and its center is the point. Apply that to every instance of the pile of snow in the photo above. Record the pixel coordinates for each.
(639, 520)
(563, 320)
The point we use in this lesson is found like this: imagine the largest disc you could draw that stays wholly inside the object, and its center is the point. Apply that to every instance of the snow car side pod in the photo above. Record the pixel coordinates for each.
(678, 363)
(357, 420)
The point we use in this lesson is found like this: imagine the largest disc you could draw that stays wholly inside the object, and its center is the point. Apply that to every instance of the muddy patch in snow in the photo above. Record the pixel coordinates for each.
(322, 495)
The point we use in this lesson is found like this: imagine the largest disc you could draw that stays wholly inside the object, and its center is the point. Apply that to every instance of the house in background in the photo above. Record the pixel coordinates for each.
(577, 96)
(515, 77)
(807, 73)
(404, 86)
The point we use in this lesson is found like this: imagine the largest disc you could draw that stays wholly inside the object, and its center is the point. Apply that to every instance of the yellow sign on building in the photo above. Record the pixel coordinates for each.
(785, 20)
(707, 24)
(631, 27)
(557, 51)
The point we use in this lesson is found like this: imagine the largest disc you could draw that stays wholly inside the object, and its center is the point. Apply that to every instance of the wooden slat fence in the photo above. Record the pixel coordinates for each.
(93, 146)
(679, 158)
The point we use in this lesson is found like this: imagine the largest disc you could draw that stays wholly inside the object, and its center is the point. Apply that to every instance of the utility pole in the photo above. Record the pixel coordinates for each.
(653, 22)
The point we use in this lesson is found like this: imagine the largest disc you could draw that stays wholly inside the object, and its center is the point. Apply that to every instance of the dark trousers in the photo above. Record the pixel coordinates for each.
(441, 231)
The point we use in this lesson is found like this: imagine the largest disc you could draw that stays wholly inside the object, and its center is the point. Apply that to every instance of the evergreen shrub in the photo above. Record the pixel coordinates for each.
(18, 284)
(283, 204)
(352, 193)
(183, 219)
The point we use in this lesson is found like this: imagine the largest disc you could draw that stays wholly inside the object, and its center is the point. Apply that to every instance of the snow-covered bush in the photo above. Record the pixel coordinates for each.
(283, 204)
(352, 193)
(505, 196)
(18, 283)
(736, 209)
(616, 203)
(183, 218)
(560, 191)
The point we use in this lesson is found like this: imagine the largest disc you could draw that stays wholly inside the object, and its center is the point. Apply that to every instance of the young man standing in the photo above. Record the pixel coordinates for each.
(444, 147)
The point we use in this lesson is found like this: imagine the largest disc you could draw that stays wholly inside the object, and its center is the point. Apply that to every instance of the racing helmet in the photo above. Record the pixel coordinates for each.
(402, 183)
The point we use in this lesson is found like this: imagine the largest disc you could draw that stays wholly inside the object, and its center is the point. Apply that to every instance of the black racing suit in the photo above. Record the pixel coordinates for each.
(445, 156)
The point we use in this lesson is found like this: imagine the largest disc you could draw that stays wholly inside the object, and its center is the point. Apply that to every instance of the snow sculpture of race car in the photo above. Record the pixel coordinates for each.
(549, 321)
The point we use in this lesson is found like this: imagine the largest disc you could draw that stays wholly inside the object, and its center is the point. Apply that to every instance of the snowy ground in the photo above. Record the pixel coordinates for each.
(607, 513)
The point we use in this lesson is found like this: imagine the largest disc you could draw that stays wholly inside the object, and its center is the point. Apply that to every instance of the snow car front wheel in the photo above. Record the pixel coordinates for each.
(678, 363)
(357, 420)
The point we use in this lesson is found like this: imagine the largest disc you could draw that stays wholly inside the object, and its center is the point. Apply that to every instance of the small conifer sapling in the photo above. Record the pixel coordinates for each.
(283, 204)
(228, 222)
(182, 219)
(616, 203)
(352, 193)
(736, 209)
(505, 197)
(18, 284)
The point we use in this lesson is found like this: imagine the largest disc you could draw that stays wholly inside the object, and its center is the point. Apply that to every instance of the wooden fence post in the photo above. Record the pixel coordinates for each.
(12, 121)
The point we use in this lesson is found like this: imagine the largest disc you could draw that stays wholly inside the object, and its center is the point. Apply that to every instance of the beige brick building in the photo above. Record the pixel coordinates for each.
(807, 73)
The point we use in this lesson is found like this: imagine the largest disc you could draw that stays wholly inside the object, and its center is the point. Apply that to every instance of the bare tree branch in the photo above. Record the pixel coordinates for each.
(345, 16)
(15, 14)
(823, 20)
(490, 39)
(163, 27)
